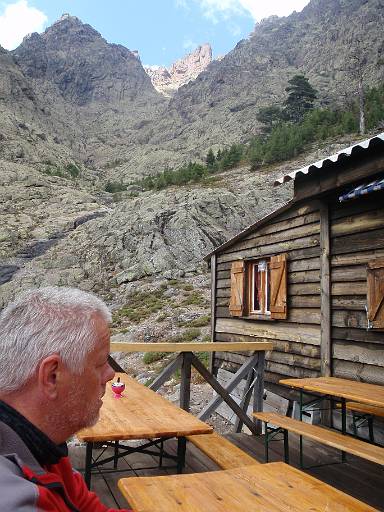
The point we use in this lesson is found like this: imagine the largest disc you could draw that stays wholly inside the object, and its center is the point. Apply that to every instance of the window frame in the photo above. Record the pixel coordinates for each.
(265, 288)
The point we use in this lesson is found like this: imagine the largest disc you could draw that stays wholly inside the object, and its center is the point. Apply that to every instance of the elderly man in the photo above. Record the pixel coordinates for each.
(54, 347)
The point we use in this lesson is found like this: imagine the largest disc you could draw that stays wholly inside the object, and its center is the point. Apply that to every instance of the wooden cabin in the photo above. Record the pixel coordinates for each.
(310, 276)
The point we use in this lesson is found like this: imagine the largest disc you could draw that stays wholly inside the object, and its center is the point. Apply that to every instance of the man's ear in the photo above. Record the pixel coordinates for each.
(48, 375)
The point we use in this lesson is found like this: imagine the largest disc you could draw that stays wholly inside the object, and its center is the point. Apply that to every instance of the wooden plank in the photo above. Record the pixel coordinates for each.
(284, 225)
(354, 334)
(213, 296)
(295, 315)
(358, 223)
(366, 372)
(273, 487)
(350, 274)
(188, 347)
(326, 436)
(301, 333)
(359, 352)
(302, 276)
(272, 249)
(357, 258)
(140, 414)
(325, 284)
(290, 371)
(258, 240)
(223, 452)
(358, 242)
(356, 288)
(349, 319)
(304, 289)
(353, 302)
(294, 360)
(278, 345)
(295, 265)
(304, 301)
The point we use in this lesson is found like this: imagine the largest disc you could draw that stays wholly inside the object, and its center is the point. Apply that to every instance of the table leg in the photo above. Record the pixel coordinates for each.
(266, 442)
(343, 423)
(181, 448)
(116, 455)
(88, 463)
(286, 447)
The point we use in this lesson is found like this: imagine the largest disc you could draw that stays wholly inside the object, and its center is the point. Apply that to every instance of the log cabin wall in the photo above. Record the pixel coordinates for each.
(295, 232)
(357, 237)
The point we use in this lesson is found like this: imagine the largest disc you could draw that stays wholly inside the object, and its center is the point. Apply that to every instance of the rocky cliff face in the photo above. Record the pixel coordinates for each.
(67, 97)
(184, 70)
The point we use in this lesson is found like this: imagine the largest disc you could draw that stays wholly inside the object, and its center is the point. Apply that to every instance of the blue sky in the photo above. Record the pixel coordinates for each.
(161, 30)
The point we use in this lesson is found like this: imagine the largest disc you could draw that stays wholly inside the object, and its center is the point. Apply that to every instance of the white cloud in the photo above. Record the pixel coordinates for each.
(188, 44)
(18, 20)
(258, 9)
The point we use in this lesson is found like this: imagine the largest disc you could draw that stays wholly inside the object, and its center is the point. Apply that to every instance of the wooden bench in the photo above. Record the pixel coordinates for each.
(322, 435)
(224, 453)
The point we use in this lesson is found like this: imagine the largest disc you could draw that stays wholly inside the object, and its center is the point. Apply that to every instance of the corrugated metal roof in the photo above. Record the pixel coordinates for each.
(344, 153)
(362, 190)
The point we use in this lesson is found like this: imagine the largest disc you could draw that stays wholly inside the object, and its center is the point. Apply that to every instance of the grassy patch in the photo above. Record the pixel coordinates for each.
(189, 335)
(141, 305)
(196, 322)
(152, 357)
(193, 299)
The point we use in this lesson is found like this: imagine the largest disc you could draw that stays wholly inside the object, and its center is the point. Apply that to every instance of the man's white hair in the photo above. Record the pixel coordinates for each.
(46, 321)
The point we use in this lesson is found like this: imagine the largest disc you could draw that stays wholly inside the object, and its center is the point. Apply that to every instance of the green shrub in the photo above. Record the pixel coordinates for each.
(195, 298)
(197, 322)
(189, 335)
(152, 357)
(73, 170)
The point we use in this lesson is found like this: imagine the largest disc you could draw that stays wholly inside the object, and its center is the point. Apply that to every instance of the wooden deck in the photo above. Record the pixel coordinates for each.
(357, 477)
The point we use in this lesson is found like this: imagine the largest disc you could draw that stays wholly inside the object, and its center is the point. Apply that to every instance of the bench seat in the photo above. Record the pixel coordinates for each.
(325, 436)
(224, 453)
(365, 408)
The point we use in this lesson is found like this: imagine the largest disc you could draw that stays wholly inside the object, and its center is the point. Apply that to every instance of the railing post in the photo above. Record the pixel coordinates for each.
(185, 385)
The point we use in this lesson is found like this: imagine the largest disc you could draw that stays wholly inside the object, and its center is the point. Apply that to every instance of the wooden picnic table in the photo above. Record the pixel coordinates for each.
(139, 414)
(361, 392)
(335, 387)
(252, 370)
(260, 488)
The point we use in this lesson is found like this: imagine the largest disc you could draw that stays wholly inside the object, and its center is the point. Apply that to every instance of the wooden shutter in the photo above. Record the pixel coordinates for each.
(375, 294)
(278, 286)
(236, 305)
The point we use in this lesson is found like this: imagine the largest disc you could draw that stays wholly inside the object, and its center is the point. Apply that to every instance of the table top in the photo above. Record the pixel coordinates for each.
(220, 346)
(264, 487)
(362, 392)
(140, 414)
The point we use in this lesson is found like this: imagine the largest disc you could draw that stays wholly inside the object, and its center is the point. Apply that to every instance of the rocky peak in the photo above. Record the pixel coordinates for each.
(168, 80)
(81, 65)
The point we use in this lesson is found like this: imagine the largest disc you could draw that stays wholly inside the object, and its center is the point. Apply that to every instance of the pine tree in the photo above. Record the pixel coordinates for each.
(269, 117)
(301, 96)
(210, 158)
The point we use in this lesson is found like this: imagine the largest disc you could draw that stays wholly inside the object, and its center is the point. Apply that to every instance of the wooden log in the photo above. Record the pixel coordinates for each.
(284, 225)
(278, 345)
(302, 333)
(358, 223)
(301, 265)
(325, 284)
(354, 302)
(358, 371)
(272, 249)
(297, 315)
(354, 334)
(357, 258)
(304, 289)
(358, 242)
(303, 301)
(359, 352)
(356, 288)
(306, 276)
(258, 240)
(351, 274)
(295, 360)
(292, 371)
(349, 319)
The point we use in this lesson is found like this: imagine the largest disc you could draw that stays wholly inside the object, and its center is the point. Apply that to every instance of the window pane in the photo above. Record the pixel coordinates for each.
(256, 289)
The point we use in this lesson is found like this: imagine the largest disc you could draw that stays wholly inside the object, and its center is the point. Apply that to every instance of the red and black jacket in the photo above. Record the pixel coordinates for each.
(35, 474)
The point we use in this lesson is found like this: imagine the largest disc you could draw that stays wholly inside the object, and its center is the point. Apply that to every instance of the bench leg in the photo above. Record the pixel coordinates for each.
(88, 463)
(161, 453)
(181, 448)
(286, 447)
(266, 442)
(370, 429)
